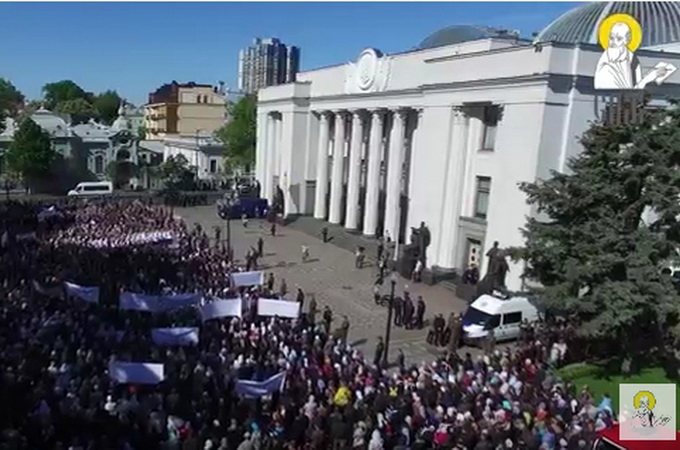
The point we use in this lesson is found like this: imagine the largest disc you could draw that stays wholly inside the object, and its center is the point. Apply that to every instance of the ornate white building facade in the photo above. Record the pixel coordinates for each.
(445, 133)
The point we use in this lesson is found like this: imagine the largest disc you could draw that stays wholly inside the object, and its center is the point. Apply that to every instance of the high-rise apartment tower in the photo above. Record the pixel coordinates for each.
(267, 62)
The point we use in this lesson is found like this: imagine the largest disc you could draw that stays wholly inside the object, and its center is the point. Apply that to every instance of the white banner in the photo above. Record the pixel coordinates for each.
(255, 278)
(182, 336)
(136, 373)
(222, 308)
(279, 308)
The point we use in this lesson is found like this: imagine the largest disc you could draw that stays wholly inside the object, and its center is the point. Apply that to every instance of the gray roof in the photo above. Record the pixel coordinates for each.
(92, 131)
(52, 123)
(463, 33)
(660, 22)
(152, 146)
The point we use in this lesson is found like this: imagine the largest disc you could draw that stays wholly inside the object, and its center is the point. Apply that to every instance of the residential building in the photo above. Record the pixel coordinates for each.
(135, 116)
(443, 134)
(268, 62)
(203, 152)
(86, 149)
(177, 110)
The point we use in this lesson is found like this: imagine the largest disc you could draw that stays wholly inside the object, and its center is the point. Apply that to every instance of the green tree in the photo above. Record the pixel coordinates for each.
(106, 105)
(239, 134)
(176, 172)
(79, 109)
(121, 172)
(62, 91)
(11, 100)
(30, 154)
(597, 252)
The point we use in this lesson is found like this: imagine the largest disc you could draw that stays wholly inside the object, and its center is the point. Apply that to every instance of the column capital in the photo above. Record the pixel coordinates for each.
(323, 113)
(357, 111)
(401, 111)
(459, 112)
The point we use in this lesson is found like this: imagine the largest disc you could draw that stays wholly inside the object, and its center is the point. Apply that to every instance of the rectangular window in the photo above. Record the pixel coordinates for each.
(213, 165)
(512, 318)
(490, 123)
(482, 197)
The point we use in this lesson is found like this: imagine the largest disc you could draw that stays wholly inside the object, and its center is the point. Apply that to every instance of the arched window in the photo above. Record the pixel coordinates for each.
(99, 164)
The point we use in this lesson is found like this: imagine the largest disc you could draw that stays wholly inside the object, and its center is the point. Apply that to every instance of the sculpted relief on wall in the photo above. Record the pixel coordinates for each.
(370, 73)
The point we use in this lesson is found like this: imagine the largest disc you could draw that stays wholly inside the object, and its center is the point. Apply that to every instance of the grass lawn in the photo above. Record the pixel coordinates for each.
(600, 383)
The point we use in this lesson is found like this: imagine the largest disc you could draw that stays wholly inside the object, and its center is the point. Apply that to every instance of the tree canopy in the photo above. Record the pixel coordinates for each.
(62, 91)
(239, 134)
(106, 105)
(30, 153)
(608, 228)
(11, 100)
(79, 109)
(67, 97)
(176, 172)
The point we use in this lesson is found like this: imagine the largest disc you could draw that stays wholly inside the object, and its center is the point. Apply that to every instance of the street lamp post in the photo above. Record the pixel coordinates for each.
(224, 211)
(388, 330)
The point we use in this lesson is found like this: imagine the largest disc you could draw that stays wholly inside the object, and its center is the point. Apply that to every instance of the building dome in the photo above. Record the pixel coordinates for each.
(50, 122)
(121, 123)
(660, 22)
(463, 33)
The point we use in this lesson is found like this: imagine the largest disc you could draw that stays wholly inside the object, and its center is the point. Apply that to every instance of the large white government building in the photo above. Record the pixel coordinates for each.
(443, 134)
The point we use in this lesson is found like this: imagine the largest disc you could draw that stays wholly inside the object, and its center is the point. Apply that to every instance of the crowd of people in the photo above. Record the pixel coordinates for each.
(54, 352)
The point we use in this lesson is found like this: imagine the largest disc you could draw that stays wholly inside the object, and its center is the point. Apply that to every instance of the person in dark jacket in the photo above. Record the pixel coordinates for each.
(420, 313)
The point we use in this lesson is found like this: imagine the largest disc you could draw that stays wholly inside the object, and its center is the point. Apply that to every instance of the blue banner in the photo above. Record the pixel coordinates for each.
(182, 336)
(257, 389)
(85, 293)
(156, 303)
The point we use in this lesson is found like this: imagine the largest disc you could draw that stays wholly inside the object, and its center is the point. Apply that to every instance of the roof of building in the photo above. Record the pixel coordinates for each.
(51, 123)
(660, 22)
(152, 146)
(92, 130)
(463, 33)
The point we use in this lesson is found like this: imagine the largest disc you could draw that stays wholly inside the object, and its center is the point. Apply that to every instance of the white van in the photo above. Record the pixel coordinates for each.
(92, 188)
(503, 315)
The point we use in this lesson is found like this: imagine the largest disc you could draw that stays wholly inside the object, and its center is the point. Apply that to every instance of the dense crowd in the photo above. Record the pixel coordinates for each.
(54, 352)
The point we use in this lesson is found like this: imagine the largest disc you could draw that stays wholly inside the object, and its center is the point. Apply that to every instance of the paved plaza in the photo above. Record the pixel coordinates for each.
(330, 275)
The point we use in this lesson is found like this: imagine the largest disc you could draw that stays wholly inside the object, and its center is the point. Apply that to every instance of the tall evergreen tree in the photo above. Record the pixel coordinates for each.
(608, 228)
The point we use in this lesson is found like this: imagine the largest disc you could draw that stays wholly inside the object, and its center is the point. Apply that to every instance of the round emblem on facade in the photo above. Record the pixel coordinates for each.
(367, 68)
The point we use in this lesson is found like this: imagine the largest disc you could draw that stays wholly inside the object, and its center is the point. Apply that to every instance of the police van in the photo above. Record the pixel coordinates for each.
(502, 314)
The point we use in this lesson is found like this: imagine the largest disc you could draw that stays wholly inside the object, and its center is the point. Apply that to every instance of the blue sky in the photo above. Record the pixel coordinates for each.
(135, 47)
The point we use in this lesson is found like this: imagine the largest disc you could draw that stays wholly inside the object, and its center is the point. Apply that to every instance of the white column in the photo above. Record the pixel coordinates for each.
(475, 129)
(453, 190)
(321, 168)
(373, 172)
(337, 182)
(395, 167)
(354, 177)
(269, 156)
(273, 161)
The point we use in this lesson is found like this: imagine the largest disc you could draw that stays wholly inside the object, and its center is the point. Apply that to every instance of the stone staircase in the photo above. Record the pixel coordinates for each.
(337, 235)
